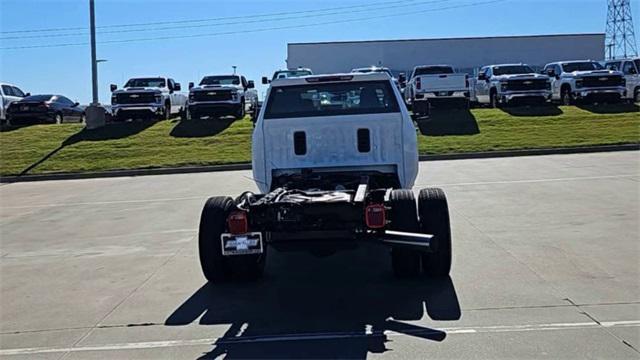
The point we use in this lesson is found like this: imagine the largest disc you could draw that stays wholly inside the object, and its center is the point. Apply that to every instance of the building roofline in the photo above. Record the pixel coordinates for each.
(439, 39)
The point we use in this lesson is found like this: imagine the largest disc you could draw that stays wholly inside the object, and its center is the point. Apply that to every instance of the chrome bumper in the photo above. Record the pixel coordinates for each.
(511, 95)
(601, 91)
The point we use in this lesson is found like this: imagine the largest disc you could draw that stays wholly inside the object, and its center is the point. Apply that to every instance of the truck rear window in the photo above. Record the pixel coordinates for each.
(434, 70)
(329, 99)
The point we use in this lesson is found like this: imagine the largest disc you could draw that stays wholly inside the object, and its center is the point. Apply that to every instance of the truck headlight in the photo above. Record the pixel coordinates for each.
(503, 86)
(624, 82)
(114, 100)
(234, 95)
(158, 98)
(548, 85)
(579, 83)
(192, 96)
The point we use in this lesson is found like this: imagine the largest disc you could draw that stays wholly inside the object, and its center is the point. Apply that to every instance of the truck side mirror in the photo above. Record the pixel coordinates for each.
(27, 94)
(632, 71)
(551, 72)
(191, 85)
(250, 84)
(177, 87)
(113, 87)
(482, 76)
(265, 81)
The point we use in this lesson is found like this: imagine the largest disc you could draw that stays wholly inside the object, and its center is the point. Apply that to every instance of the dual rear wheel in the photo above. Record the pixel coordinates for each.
(431, 216)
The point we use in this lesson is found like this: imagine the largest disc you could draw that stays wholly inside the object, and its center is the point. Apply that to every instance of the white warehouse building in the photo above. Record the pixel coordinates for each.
(465, 54)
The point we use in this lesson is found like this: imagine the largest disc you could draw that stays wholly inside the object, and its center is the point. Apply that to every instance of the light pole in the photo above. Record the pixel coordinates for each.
(94, 113)
(234, 69)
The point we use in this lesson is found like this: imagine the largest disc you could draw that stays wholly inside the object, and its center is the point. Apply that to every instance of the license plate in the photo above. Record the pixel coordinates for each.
(443, 93)
(244, 244)
(24, 108)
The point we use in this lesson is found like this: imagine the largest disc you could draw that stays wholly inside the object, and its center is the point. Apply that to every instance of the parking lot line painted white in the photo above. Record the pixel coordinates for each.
(320, 336)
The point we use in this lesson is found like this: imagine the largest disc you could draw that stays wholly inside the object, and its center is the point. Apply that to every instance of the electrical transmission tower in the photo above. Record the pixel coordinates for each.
(620, 39)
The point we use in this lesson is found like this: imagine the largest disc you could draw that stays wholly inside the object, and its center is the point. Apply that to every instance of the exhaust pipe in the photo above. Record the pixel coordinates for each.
(415, 241)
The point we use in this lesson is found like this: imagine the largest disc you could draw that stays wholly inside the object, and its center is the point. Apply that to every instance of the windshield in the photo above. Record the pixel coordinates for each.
(146, 82)
(220, 80)
(291, 73)
(512, 70)
(581, 66)
(369, 70)
(330, 99)
(38, 98)
(433, 70)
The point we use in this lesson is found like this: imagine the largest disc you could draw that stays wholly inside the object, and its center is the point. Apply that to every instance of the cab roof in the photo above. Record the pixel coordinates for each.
(330, 78)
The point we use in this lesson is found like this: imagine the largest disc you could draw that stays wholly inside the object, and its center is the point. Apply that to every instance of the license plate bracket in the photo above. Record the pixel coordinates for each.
(241, 244)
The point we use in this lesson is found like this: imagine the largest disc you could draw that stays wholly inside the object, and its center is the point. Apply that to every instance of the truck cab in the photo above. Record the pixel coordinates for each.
(222, 95)
(147, 97)
(504, 83)
(584, 80)
(335, 158)
(631, 70)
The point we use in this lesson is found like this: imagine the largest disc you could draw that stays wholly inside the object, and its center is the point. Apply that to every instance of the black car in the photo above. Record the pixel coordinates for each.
(48, 108)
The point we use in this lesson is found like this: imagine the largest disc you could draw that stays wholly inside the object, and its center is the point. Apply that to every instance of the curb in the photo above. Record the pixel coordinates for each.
(247, 166)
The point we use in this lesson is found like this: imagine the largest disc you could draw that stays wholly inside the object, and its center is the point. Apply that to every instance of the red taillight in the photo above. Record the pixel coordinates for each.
(237, 222)
(375, 216)
(418, 83)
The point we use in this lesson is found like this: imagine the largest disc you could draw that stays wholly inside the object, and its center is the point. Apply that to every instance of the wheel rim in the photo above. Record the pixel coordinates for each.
(58, 119)
(565, 98)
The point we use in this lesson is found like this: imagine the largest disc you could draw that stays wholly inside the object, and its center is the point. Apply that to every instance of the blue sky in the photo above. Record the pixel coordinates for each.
(66, 70)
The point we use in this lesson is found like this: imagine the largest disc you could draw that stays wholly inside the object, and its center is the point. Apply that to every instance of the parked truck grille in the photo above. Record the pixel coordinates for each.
(601, 81)
(212, 95)
(136, 98)
(524, 85)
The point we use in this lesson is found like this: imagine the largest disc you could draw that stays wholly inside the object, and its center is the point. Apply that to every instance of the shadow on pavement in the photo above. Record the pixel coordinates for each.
(449, 122)
(201, 128)
(334, 307)
(539, 110)
(610, 108)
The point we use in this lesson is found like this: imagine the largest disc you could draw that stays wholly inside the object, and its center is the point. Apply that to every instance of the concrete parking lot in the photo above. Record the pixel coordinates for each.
(546, 265)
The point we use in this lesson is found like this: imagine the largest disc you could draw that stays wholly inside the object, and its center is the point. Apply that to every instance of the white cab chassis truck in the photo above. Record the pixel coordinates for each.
(335, 158)
(147, 97)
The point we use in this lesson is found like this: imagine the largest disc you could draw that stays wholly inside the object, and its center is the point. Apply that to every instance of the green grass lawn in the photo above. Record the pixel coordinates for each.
(68, 148)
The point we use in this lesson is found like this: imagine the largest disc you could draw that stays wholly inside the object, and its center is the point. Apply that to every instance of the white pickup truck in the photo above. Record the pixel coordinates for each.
(222, 95)
(431, 84)
(335, 158)
(585, 80)
(155, 97)
(631, 70)
(502, 84)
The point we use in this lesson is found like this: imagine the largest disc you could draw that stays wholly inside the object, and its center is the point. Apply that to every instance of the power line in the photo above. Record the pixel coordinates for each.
(342, 21)
(209, 19)
(419, 3)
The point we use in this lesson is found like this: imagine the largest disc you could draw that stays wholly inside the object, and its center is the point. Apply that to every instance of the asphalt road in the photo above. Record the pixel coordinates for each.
(546, 265)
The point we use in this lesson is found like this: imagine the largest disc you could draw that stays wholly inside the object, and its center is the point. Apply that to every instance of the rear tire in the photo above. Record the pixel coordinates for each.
(434, 219)
(212, 225)
(636, 95)
(405, 262)
(215, 266)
